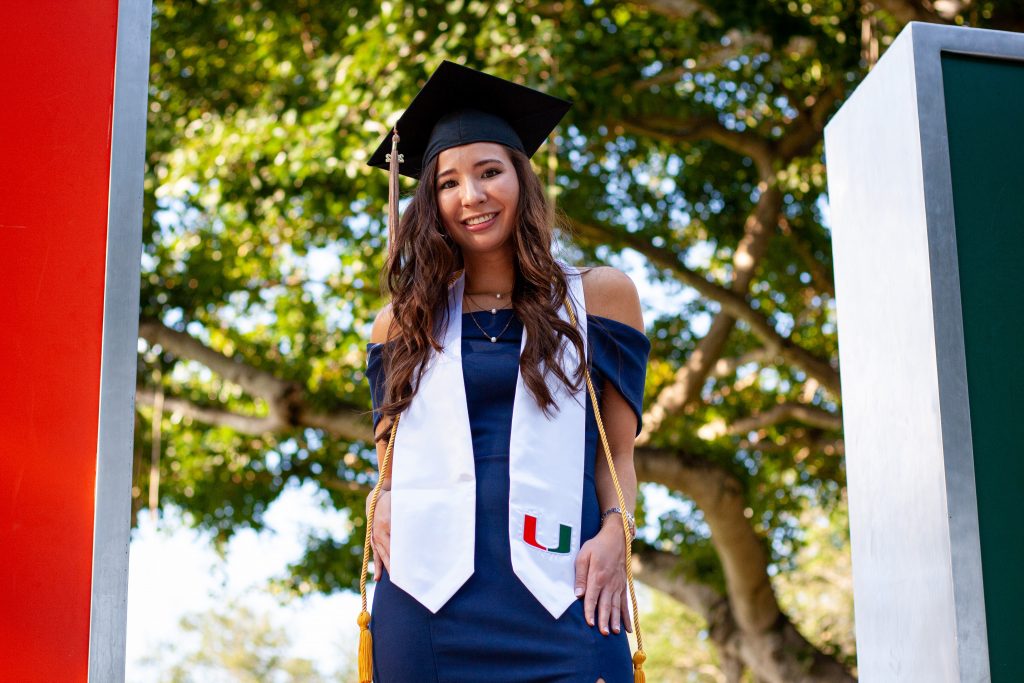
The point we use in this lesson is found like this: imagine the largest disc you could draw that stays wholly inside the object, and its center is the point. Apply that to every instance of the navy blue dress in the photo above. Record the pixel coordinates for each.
(493, 629)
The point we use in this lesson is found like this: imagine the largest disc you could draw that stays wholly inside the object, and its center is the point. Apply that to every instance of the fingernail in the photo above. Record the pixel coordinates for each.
(617, 629)
(579, 591)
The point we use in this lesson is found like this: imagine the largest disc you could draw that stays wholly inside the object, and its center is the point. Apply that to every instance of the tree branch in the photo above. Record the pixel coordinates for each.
(906, 11)
(708, 56)
(244, 424)
(727, 366)
(255, 382)
(820, 274)
(719, 494)
(802, 137)
(698, 128)
(689, 378)
(682, 9)
(749, 625)
(659, 570)
(685, 388)
(287, 402)
(811, 415)
(733, 303)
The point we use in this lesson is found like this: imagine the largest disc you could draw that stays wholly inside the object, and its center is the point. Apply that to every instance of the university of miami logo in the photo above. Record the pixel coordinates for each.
(530, 536)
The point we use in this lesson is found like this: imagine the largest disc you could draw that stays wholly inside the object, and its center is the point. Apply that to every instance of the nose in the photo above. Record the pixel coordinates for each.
(472, 193)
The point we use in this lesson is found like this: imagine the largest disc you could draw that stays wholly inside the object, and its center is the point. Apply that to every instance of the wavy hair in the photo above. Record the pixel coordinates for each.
(426, 261)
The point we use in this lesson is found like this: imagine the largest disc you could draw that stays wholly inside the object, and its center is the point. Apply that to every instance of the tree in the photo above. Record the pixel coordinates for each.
(694, 144)
(234, 644)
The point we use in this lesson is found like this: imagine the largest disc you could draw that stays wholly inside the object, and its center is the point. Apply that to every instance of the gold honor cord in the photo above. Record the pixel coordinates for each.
(365, 641)
(640, 656)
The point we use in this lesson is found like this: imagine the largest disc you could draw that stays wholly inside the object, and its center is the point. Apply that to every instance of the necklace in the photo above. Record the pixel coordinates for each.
(497, 295)
(486, 334)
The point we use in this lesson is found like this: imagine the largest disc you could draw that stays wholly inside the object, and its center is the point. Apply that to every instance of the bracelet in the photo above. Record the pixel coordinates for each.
(629, 519)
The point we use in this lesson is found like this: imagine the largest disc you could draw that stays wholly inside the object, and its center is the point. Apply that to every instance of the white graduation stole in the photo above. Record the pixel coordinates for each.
(433, 479)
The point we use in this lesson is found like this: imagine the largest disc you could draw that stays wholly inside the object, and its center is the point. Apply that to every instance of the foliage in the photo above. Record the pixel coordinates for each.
(234, 644)
(264, 230)
(818, 595)
(677, 642)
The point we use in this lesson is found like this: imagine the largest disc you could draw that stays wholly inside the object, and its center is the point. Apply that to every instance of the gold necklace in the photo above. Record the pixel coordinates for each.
(493, 338)
(497, 295)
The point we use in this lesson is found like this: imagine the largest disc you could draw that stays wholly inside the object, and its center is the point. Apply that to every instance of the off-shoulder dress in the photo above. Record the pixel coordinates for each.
(493, 629)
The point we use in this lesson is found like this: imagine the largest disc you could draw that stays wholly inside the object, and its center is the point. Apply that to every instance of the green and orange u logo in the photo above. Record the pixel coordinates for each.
(530, 536)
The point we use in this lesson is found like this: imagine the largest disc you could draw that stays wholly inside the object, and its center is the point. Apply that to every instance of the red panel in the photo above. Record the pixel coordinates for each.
(56, 82)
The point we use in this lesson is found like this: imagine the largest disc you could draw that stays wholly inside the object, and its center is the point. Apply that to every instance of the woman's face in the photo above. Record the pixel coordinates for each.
(477, 193)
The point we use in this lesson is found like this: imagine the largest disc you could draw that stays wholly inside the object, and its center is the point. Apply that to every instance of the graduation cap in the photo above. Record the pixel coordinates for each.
(457, 106)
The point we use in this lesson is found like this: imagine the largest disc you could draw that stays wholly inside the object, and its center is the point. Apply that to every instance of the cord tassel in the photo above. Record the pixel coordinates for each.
(365, 648)
(638, 667)
(365, 636)
(393, 160)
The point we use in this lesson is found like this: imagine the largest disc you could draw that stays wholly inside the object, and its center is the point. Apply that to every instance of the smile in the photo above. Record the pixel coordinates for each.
(480, 222)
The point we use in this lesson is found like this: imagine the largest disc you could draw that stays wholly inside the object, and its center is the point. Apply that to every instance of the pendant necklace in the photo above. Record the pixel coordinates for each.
(498, 295)
(494, 311)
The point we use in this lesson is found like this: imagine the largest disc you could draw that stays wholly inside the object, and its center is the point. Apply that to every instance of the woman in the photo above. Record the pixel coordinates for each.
(482, 594)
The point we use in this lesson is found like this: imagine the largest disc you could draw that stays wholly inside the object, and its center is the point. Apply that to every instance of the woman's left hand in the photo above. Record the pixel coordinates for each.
(601, 579)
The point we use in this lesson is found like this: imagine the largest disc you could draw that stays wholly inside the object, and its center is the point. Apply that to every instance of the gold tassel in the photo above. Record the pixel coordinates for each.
(393, 160)
(638, 667)
(365, 648)
(365, 636)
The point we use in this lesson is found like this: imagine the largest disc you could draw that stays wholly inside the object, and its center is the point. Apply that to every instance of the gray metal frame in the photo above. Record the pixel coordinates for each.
(965, 546)
(919, 600)
(120, 342)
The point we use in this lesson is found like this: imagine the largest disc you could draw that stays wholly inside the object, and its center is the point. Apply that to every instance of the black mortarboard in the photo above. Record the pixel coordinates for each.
(459, 105)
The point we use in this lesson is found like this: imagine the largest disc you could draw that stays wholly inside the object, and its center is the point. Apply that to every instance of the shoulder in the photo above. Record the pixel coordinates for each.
(610, 293)
(382, 326)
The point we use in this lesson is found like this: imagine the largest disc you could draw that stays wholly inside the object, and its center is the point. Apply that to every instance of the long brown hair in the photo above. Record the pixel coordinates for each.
(426, 261)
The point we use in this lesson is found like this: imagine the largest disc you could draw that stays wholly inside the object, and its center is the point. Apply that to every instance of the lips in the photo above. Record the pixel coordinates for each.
(474, 224)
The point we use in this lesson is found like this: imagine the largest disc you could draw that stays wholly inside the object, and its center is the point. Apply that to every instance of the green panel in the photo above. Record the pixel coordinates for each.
(985, 120)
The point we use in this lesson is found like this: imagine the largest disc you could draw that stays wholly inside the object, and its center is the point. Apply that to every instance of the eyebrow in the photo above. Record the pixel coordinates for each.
(479, 163)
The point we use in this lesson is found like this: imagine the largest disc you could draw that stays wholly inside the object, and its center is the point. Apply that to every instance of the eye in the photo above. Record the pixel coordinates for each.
(489, 173)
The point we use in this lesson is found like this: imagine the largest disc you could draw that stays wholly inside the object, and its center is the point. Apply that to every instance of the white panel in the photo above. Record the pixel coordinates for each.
(903, 592)
(918, 590)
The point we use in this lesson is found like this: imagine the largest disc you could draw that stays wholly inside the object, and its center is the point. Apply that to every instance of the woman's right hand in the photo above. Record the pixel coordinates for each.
(380, 539)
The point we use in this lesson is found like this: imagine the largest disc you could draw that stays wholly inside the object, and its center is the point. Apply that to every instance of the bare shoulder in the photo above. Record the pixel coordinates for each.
(382, 325)
(610, 293)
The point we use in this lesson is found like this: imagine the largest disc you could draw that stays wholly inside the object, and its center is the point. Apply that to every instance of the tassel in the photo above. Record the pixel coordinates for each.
(638, 667)
(365, 648)
(393, 160)
(365, 637)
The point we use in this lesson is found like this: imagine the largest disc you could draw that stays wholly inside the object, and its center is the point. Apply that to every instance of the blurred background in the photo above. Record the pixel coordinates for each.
(692, 160)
